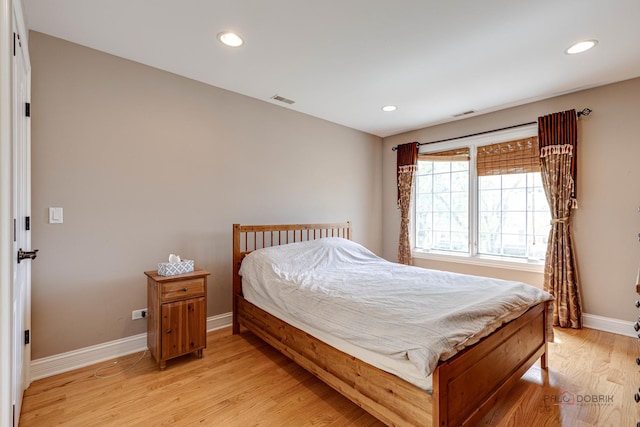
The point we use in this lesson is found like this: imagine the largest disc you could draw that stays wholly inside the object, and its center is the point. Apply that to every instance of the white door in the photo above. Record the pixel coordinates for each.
(21, 205)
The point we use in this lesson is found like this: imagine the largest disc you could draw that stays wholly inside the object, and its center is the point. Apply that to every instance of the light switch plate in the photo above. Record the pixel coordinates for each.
(55, 215)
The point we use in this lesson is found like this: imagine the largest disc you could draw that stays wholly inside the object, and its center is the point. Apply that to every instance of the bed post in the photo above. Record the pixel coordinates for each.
(237, 286)
(544, 359)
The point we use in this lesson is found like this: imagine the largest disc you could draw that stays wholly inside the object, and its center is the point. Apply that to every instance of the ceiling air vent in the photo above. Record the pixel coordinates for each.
(282, 99)
(464, 113)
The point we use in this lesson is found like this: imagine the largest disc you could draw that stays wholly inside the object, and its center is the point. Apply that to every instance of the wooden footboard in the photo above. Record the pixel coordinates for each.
(465, 387)
(468, 385)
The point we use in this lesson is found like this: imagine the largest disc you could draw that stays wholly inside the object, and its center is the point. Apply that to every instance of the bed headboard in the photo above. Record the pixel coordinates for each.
(248, 238)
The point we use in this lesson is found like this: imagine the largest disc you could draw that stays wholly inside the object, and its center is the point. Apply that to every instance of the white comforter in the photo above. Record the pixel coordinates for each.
(342, 288)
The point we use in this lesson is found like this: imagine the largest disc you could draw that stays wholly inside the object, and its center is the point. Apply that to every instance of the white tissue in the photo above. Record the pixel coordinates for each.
(174, 259)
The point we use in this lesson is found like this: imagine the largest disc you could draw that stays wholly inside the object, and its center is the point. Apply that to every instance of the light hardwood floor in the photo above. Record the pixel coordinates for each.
(241, 381)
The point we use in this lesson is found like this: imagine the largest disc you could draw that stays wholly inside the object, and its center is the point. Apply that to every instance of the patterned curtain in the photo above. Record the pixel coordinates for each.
(407, 160)
(557, 134)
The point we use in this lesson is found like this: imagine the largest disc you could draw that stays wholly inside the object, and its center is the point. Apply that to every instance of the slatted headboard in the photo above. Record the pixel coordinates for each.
(248, 238)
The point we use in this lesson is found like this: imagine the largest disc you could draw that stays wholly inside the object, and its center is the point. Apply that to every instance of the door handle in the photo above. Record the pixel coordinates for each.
(27, 254)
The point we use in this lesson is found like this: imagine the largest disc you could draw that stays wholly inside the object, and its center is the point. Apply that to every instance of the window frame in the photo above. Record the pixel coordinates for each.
(472, 257)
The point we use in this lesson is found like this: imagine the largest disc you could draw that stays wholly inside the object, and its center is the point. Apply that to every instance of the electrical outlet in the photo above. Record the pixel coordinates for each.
(139, 314)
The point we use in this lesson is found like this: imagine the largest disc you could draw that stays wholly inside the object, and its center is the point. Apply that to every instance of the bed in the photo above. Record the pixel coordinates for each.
(463, 388)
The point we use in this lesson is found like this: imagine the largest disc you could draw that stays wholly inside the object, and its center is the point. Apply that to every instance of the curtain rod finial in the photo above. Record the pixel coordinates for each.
(584, 112)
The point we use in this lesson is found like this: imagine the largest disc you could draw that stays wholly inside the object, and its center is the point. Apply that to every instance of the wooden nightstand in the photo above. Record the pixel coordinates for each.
(176, 315)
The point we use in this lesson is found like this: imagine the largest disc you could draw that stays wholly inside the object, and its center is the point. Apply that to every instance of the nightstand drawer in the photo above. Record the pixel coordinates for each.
(174, 291)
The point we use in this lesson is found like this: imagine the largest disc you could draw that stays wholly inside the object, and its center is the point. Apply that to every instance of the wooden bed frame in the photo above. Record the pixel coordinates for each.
(465, 387)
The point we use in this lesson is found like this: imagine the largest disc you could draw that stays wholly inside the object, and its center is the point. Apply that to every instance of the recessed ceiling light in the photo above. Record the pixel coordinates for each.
(581, 47)
(230, 39)
(389, 108)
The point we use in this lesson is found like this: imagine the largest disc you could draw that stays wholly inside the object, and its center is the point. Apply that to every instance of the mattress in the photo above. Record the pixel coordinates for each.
(401, 319)
(402, 368)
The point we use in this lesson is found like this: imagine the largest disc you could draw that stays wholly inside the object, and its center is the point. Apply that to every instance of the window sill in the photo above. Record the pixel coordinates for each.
(485, 261)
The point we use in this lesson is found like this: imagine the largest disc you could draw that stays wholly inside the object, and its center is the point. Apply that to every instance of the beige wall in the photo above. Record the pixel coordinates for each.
(607, 222)
(146, 163)
(530, 277)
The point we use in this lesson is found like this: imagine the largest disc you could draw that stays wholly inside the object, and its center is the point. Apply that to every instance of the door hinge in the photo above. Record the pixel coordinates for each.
(27, 223)
(14, 44)
(27, 337)
(27, 109)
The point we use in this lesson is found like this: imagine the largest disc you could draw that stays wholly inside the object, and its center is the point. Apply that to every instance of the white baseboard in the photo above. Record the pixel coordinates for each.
(607, 324)
(53, 365)
(64, 362)
(218, 322)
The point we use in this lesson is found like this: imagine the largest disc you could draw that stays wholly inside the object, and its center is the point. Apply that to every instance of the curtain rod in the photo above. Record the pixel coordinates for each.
(583, 112)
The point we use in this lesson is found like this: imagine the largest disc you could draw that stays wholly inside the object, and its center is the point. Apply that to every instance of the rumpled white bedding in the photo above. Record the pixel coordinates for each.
(403, 312)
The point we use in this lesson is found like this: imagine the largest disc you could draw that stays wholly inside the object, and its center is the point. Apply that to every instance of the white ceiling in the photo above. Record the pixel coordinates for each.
(342, 60)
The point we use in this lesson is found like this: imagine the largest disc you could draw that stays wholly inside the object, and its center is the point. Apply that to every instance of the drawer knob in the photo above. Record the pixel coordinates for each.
(184, 289)
(169, 330)
(637, 360)
(636, 326)
(636, 397)
(637, 304)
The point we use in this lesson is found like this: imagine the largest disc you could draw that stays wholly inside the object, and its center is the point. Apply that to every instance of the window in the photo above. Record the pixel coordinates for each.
(442, 199)
(482, 198)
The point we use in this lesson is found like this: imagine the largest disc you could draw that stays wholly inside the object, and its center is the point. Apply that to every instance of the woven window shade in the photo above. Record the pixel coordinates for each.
(520, 156)
(457, 155)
